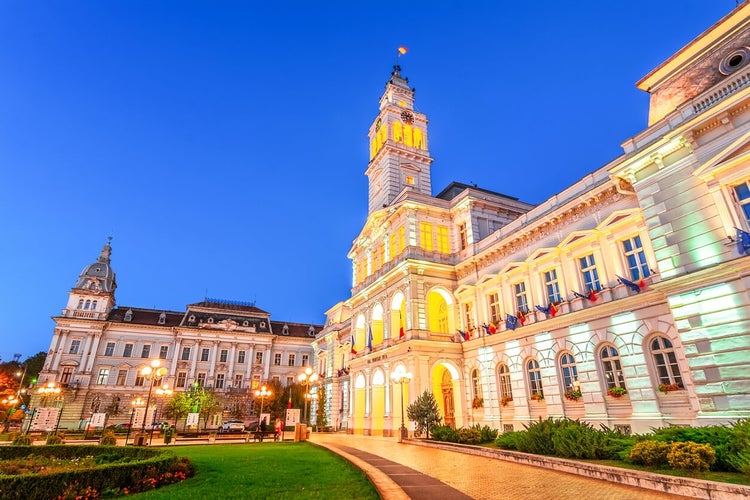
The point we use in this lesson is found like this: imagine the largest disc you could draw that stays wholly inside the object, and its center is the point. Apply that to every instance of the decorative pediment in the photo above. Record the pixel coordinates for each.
(729, 165)
(574, 237)
(619, 216)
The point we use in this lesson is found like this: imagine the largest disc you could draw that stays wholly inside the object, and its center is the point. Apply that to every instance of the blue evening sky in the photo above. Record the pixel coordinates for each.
(223, 144)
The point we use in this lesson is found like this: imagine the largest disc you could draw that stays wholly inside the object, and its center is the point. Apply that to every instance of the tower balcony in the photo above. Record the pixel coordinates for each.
(409, 253)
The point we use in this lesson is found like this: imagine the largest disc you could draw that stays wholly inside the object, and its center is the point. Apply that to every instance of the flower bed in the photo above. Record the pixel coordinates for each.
(111, 469)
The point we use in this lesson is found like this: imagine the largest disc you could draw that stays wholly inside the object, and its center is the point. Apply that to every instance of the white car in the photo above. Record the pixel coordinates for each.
(233, 426)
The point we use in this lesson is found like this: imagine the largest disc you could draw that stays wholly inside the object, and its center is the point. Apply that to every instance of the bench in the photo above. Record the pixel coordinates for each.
(259, 435)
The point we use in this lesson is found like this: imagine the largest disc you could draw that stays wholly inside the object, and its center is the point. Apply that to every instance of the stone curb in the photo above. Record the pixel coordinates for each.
(385, 486)
(683, 486)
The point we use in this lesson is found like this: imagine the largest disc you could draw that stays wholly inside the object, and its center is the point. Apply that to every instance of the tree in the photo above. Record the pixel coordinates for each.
(321, 416)
(178, 406)
(424, 412)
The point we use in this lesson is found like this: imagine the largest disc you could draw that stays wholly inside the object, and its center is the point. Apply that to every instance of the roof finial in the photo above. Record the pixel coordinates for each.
(106, 252)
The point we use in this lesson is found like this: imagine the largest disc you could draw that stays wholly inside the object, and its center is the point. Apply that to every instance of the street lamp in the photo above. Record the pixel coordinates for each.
(401, 377)
(161, 392)
(263, 393)
(135, 403)
(307, 378)
(153, 372)
(48, 390)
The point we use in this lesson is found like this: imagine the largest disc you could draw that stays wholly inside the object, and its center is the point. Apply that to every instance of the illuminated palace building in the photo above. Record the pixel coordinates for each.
(623, 299)
(98, 351)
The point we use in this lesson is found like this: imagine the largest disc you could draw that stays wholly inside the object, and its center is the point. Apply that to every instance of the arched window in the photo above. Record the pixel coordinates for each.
(611, 367)
(535, 379)
(80, 304)
(665, 362)
(476, 384)
(87, 305)
(418, 141)
(568, 372)
(93, 305)
(398, 134)
(506, 390)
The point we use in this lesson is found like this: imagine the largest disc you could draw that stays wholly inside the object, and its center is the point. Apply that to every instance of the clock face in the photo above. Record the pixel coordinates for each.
(407, 117)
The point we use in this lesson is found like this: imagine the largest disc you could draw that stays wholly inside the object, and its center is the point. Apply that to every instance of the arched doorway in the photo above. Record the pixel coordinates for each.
(446, 389)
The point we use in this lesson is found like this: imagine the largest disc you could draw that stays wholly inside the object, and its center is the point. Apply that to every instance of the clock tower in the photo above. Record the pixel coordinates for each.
(399, 158)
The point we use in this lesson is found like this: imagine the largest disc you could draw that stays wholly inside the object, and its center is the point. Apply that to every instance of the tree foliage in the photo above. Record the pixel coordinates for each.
(321, 417)
(424, 412)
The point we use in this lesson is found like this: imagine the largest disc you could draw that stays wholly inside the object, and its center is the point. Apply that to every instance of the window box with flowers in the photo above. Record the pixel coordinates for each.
(667, 388)
(573, 394)
(505, 400)
(477, 402)
(617, 392)
(537, 396)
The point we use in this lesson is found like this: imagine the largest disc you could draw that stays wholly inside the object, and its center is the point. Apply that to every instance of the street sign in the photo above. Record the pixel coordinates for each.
(292, 416)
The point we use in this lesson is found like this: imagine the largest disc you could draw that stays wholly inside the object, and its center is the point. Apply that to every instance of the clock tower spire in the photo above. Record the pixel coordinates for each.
(399, 158)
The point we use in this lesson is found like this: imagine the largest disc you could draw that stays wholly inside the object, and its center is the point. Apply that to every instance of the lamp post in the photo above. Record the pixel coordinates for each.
(401, 377)
(48, 390)
(307, 378)
(152, 372)
(135, 403)
(263, 393)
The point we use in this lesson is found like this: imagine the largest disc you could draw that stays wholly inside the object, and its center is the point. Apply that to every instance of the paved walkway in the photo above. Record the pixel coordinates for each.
(408, 471)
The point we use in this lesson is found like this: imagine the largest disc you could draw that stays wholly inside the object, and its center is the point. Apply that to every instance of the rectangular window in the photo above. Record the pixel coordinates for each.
(223, 356)
(552, 286)
(494, 302)
(219, 380)
(443, 241)
(163, 351)
(636, 258)
(240, 357)
(181, 379)
(103, 375)
(238, 381)
(201, 380)
(204, 354)
(425, 236)
(66, 374)
(185, 354)
(742, 191)
(463, 236)
(305, 359)
(128, 351)
(122, 376)
(519, 289)
(410, 180)
(377, 258)
(469, 316)
(110, 349)
(277, 359)
(146, 352)
(275, 378)
(259, 358)
(401, 239)
(289, 381)
(74, 346)
(139, 379)
(291, 360)
(589, 273)
(256, 382)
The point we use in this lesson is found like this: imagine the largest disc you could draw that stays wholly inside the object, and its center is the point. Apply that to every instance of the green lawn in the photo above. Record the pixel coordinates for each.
(266, 470)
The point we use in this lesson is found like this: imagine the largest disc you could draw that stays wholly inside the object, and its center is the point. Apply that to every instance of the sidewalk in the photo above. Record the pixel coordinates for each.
(408, 471)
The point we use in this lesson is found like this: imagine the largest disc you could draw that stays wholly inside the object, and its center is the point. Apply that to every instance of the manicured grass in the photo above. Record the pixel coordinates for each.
(267, 470)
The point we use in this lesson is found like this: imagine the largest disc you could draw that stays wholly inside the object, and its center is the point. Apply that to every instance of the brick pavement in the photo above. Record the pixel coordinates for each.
(473, 476)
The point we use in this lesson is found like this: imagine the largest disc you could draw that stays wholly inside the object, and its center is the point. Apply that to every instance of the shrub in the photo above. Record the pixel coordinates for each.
(726, 441)
(488, 434)
(55, 438)
(574, 439)
(444, 433)
(650, 453)
(471, 435)
(22, 440)
(108, 438)
(691, 456)
(736, 453)
(512, 440)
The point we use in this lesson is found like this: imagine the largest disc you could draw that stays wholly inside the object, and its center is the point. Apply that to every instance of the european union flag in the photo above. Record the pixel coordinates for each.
(511, 322)
(629, 284)
(743, 241)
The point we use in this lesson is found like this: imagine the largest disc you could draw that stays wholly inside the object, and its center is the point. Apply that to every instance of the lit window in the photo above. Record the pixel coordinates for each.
(552, 286)
(535, 379)
(256, 381)
(181, 379)
(410, 180)
(569, 372)
(128, 351)
(103, 375)
(443, 242)
(223, 354)
(519, 289)
(665, 362)
(277, 359)
(425, 236)
(185, 354)
(589, 273)
(204, 354)
(75, 345)
(742, 191)
(611, 367)
(636, 258)
(494, 302)
(506, 390)
(110, 349)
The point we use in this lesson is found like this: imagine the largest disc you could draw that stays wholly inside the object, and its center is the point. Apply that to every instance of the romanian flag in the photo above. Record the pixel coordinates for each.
(463, 334)
(592, 295)
(492, 329)
(402, 50)
(642, 284)
(552, 309)
(401, 326)
(354, 351)
(521, 317)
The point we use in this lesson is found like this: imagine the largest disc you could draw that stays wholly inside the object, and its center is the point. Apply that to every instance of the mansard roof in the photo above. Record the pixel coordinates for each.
(456, 188)
(145, 316)
(229, 305)
(301, 330)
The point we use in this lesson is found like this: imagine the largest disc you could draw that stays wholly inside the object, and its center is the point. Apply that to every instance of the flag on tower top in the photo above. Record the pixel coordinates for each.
(402, 50)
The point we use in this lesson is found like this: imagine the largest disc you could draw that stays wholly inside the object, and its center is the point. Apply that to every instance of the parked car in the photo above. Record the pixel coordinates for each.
(233, 426)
